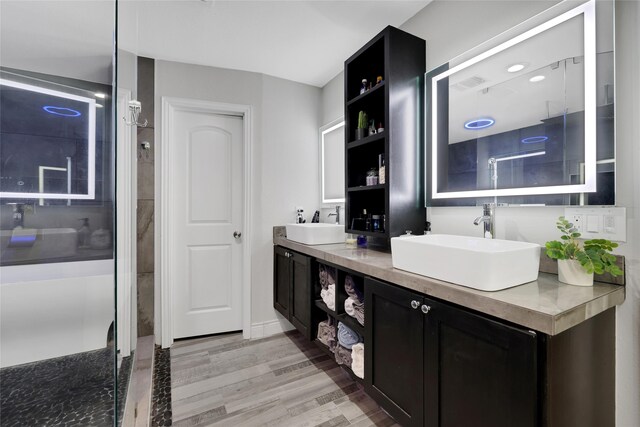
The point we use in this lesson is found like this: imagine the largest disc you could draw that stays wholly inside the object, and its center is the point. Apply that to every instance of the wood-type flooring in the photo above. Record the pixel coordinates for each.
(282, 380)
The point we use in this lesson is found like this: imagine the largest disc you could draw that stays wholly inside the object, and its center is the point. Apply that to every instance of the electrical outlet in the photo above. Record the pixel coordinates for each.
(599, 223)
(577, 221)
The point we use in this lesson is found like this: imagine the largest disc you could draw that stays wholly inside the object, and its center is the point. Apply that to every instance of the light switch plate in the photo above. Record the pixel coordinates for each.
(599, 223)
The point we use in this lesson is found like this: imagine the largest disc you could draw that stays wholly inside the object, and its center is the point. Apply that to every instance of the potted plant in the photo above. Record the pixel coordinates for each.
(578, 260)
(363, 123)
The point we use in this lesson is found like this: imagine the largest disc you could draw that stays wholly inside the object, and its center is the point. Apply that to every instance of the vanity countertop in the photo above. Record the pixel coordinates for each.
(545, 305)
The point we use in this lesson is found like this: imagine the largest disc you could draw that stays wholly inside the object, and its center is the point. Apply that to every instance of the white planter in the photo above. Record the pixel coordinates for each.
(570, 271)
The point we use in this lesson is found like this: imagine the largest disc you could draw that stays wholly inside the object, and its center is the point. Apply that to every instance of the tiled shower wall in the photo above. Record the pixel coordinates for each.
(145, 212)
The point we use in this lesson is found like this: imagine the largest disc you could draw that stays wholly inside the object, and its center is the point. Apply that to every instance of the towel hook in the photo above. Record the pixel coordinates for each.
(135, 108)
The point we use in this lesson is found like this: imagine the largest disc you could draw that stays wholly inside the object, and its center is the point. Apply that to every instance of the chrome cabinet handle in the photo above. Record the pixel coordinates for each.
(237, 234)
(425, 308)
(415, 304)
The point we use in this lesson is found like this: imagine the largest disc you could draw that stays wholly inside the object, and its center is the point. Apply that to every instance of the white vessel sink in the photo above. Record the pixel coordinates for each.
(315, 233)
(484, 264)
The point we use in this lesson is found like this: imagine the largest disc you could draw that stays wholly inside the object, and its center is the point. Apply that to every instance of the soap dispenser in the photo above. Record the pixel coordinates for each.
(84, 234)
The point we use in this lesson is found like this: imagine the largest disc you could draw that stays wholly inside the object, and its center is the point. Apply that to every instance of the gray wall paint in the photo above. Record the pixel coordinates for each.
(452, 27)
(286, 118)
(333, 99)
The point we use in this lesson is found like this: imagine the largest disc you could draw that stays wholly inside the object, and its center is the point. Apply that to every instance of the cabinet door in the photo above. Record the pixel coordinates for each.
(393, 351)
(478, 372)
(281, 280)
(300, 307)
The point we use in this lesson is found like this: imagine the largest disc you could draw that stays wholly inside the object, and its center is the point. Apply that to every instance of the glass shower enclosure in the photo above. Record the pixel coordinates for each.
(60, 362)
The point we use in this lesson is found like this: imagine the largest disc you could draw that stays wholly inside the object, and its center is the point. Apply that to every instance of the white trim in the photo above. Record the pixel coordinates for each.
(588, 10)
(272, 327)
(169, 106)
(125, 227)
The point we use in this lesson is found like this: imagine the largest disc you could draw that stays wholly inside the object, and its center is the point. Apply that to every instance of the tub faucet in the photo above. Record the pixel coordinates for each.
(488, 218)
(336, 214)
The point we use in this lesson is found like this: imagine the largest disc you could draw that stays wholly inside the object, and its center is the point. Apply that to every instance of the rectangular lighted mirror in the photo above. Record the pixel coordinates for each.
(48, 143)
(332, 161)
(526, 117)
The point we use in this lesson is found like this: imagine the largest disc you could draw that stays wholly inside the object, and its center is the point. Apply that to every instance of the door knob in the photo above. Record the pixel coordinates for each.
(425, 308)
(237, 234)
(415, 304)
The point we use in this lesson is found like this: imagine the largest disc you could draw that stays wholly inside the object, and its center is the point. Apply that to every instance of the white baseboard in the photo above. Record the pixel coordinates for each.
(272, 327)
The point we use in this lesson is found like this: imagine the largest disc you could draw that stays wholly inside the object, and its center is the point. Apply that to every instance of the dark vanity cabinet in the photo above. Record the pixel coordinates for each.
(292, 287)
(432, 364)
(393, 65)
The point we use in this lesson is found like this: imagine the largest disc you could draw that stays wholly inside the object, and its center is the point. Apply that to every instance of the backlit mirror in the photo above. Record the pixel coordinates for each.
(332, 162)
(528, 117)
(48, 140)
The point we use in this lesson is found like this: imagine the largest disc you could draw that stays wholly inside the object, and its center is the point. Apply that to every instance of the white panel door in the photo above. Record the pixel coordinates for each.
(207, 191)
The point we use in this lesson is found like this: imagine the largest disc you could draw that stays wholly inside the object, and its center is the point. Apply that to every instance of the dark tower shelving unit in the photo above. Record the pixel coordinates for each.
(397, 103)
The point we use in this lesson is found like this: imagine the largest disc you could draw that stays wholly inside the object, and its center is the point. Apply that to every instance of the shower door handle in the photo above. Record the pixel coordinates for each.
(237, 234)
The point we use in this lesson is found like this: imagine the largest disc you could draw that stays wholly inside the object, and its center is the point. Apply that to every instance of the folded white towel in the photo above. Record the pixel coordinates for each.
(348, 307)
(357, 359)
(329, 297)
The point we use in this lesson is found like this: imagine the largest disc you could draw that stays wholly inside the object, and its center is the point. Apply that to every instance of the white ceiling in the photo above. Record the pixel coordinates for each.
(303, 41)
(300, 40)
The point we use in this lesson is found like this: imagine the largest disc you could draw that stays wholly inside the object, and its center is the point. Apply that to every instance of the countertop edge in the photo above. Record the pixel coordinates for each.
(480, 301)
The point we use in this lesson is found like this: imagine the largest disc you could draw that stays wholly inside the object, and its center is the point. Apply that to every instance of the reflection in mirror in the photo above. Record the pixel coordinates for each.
(332, 161)
(530, 120)
(48, 141)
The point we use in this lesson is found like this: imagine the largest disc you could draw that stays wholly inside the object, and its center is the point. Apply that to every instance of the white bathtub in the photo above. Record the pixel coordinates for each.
(52, 310)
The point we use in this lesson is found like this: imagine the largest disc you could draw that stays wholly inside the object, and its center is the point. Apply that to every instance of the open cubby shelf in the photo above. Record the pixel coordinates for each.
(363, 96)
(366, 140)
(399, 58)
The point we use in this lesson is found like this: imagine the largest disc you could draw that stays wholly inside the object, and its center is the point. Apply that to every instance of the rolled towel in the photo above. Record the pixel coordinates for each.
(331, 276)
(323, 278)
(352, 290)
(343, 356)
(327, 334)
(329, 297)
(357, 357)
(347, 337)
(358, 312)
(348, 307)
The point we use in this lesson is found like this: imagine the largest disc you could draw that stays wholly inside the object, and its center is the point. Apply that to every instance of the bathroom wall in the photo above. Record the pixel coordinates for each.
(452, 27)
(286, 118)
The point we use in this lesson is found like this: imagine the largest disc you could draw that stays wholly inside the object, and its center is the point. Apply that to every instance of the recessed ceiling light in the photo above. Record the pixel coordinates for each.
(100, 95)
(515, 68)
(61, 111)
(534, 139)
(536, 79)
(479, 123)
(99, 105)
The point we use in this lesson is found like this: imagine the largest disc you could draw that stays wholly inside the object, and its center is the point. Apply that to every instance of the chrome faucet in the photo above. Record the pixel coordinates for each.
(336, 214)
(18, 215)
(489, 219)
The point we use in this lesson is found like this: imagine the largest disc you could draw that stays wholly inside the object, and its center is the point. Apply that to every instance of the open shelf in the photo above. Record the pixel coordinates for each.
(379, 86)
(322, 306)
(400, 200)
(367, 187)
(351, 322)
(366, 140)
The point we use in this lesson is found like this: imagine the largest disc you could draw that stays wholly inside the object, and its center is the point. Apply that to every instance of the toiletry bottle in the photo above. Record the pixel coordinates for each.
(381, 169)
(427, 227)
(362, 241)
(84, 234)
(316, 217)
